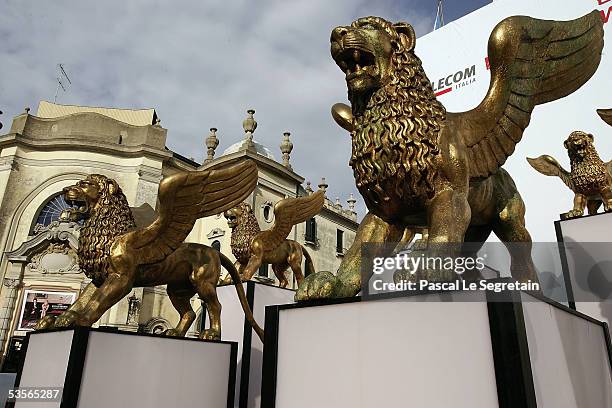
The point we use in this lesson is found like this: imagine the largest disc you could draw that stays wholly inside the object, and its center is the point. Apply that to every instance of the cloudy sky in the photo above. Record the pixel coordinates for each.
(201, 65)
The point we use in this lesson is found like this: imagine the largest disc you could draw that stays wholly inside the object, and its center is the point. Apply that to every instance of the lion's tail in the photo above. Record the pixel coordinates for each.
(231, 269)
(309, 265)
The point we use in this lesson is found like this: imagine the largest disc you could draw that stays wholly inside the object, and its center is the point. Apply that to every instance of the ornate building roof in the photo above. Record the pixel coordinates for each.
(134, 117)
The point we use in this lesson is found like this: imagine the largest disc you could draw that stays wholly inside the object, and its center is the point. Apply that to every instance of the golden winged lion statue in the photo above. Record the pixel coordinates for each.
(590, 178)
(117, 256)
(415, 164)
(252, 247)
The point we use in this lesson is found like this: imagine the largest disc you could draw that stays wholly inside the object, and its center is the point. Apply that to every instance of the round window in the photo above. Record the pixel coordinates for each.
(268, 212)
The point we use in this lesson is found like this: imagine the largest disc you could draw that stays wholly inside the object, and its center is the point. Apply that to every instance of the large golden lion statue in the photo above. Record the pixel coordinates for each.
(415, 164)
(590, 178)
(117, 256)
(252, 247)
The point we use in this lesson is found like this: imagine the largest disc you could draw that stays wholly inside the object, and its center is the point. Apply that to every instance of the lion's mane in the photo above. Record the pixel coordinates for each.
(395, 138)
(110, 218)
(243, 233)
(588, 172)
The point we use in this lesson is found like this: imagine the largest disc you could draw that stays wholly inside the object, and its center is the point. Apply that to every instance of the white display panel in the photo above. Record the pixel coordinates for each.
(45, 363)
(7, 381)
(232, 329)
(232, 325)
(386, 353)
(588, 244)
(264, 296)
(569, 358)
(154, 372)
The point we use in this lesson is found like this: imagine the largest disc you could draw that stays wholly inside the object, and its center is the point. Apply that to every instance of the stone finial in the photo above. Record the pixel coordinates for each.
(323, 185)
(249, 125)
(338, 203)
(309, 188)
(211, 144)
(27, 110)
(286, 147)
(351, 202)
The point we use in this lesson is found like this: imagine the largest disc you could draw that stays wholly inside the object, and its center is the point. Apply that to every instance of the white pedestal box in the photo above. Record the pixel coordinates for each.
(101, 369)
(7, 381)
(586, 257)
(480, 350)
(234, 327)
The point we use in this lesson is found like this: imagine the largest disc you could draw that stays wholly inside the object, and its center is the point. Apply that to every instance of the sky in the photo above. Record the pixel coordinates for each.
(200, 65)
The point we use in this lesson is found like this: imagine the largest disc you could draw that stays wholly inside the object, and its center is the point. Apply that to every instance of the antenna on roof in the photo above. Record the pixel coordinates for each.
(439, 21)
(63, 81)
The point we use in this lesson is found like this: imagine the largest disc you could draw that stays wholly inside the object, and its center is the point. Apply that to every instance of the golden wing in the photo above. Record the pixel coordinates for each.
(289, 212)
(532, 62)
(609, 167)
(548, 166)
(606, 115)
(186, 197)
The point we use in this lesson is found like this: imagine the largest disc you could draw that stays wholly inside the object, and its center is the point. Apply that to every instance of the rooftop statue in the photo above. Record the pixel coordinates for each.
(117, 255)
(415, 164)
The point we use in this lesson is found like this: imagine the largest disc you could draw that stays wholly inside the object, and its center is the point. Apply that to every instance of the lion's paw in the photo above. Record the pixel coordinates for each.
(573, 214)
(211, 334)
(404, 275)
(321, 285)
(172, 333)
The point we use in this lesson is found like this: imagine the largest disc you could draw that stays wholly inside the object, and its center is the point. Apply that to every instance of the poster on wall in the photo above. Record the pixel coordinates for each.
(40, 303)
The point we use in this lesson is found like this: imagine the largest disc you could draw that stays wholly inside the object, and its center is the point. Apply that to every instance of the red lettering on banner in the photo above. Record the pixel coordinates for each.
(602, 2)
(605, 16)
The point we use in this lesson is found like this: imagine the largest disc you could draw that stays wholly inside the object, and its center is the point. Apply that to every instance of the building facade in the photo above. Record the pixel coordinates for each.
(60, 145)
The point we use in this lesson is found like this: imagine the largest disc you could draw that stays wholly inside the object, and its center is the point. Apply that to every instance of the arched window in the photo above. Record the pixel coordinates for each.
(268, 212)
(216, 244)
(51, 210)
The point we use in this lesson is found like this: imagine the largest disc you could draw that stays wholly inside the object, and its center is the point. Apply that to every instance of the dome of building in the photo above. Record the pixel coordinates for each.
(259, 148)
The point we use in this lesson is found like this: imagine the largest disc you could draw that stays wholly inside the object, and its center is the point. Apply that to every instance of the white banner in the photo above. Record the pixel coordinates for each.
(454, 58)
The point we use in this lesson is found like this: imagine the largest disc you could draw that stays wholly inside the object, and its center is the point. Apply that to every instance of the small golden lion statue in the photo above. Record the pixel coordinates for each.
(417, 165)
(252, 247)
(117, 256)
(590, 178)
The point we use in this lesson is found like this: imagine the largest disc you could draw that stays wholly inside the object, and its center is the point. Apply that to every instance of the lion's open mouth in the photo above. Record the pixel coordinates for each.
(578, 149)
(78, 204)
(231, 220)
(355, 61)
